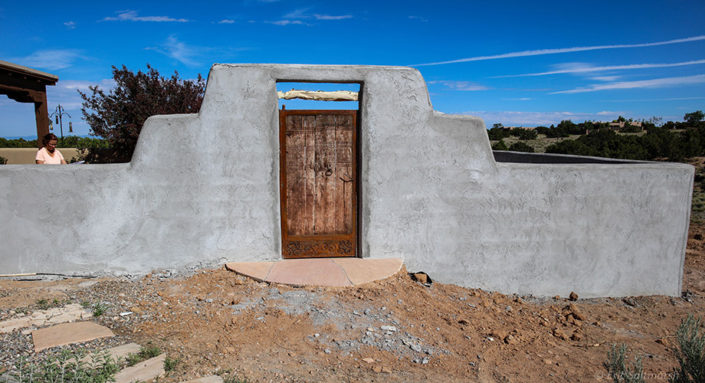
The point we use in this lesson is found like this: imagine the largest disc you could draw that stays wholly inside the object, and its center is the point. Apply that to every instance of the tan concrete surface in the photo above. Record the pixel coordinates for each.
(20, 156)
(308, 272)
(336, 272)
(256, 270)
(56, 315)
(144, 371)
(68, 333)
(361, 271)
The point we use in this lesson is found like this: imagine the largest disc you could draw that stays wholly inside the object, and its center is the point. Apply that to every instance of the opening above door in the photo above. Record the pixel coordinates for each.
(347, 88)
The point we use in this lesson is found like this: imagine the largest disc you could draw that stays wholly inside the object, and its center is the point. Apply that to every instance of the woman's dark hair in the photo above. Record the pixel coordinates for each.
(47, 138)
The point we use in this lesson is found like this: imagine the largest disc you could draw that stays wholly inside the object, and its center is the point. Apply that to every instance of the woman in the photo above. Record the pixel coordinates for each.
(49, 155)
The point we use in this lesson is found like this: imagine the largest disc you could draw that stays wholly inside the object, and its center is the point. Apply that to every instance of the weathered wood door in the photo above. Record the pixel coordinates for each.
(318, 183)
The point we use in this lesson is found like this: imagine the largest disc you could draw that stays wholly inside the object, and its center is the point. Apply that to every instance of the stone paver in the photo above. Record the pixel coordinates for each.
(206, 379)
(56, 315)
(68, 333)
(339, 272)
(144, 371)
(361, 271)
(308, 272)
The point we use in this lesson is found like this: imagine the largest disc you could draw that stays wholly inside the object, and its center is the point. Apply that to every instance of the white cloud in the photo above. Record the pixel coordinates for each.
(331, 17)
(129, 15)
(294, 17)
(419, 18)
(586, 68)
(518, 99)
(179, 51)
(530, 118)
(656, 99)
(605, 78)
(226, 21)
(460, 85)
(288, 22)
(70, 25)
(653, 83)
(540, 52)
(50, 59)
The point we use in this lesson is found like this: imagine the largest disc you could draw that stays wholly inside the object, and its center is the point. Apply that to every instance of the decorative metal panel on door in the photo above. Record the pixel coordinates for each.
(318, 176)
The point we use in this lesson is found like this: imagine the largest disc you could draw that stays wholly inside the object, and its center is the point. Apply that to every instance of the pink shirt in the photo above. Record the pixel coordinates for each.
(43, 155)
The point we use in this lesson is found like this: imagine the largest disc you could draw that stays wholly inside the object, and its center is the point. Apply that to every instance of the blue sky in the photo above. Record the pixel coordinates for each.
(513, 62)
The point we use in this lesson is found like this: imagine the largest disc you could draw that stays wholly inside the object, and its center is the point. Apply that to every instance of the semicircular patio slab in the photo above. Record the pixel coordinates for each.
(329, 272)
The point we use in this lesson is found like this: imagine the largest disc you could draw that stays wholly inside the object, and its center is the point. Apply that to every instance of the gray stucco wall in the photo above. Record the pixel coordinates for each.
(203, 188)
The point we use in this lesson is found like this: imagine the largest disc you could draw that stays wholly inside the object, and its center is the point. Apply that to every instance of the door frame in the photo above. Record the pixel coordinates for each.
(282, 183)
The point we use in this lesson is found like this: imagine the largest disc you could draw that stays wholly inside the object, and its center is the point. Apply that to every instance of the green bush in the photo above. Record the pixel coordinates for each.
(500, 146)
(145, 353)
(67, 367)
(521, 147)
(691, 352)
(617, 367)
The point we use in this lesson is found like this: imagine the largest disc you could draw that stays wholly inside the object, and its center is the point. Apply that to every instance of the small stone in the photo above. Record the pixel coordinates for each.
(388, 328)
(327, 351)
(547, 361)
(576, 336)
(386, 370)
(377, 369)
(463, 322)
(424, 361)
(573, 296)
(316, 335)
(421, 277)
(368, 360)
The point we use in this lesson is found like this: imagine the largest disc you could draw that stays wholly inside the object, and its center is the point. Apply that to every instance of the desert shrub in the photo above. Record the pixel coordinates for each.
(67, 367)
(498, 133)
(150, 351)
(521, 147)
(691, 352)
(525, 134)
(3, 160)
(500, 146)
(616, 365)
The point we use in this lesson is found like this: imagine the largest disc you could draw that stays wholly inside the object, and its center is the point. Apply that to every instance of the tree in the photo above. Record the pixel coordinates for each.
(695, 117)
(118, 116)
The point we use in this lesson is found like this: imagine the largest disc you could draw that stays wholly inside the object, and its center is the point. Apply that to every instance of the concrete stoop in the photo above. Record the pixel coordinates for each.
(329, 272)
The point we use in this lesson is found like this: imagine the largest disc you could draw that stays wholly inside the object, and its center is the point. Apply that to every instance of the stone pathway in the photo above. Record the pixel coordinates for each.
(40, 318)
(68, 333)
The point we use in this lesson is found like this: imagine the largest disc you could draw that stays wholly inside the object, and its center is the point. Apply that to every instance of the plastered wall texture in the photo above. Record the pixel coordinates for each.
(205, 188)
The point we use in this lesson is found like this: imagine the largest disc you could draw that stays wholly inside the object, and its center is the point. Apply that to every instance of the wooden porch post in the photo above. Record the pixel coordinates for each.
(41, 115)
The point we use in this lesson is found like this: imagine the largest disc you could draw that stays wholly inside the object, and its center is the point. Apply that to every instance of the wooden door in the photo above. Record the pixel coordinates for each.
(318, 176)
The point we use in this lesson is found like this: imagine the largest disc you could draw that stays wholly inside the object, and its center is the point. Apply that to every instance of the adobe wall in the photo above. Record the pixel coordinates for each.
(203, 188)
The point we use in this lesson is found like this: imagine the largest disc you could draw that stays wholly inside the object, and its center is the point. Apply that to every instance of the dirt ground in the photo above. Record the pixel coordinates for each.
(396, 330)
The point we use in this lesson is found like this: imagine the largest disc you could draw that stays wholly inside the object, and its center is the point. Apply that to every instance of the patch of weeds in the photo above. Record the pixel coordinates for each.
(234, 379)
(145, 353)
(67, 367)
(99, 309)
(85, 304)
(691, 352)
(617, 367)
(43, 304)
(170, 364)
